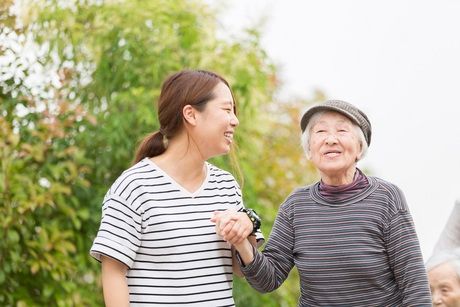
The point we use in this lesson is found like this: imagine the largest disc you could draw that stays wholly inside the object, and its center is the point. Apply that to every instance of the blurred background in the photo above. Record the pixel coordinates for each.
(79, 81)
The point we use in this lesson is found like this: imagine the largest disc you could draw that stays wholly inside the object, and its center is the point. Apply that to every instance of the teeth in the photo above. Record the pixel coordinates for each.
(229, 136)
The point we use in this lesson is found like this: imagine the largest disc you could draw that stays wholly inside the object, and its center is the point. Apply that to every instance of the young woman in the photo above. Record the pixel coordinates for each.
(156, 242)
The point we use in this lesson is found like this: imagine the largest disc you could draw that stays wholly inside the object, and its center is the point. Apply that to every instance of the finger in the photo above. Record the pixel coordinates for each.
(231, 215)
(240, 235)
(244, 235)
(216, 215)
(227, 228)
(232, 234)
(225, 220)
(246, 228)
(236, 233)
(217, 229)
(230, 228)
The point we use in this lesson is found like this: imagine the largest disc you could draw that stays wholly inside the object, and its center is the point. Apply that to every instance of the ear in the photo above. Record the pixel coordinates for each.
(360, 154)
(189, 114)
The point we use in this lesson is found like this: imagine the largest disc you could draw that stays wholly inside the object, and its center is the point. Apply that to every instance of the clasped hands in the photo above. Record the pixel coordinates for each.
(233, 226)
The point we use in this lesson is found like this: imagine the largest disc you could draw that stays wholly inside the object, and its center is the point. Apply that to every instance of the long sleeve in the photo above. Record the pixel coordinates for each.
(271, 267)
(406, 258)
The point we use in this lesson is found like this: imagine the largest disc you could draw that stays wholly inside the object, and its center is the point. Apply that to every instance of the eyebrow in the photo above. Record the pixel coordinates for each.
(227, 103)
(445, 284)
(339, 122)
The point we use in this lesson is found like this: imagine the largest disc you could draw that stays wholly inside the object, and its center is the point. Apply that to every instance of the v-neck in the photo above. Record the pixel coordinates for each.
(179, 186)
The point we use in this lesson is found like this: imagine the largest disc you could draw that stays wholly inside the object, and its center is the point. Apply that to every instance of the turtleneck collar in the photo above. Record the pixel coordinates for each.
(342, 192)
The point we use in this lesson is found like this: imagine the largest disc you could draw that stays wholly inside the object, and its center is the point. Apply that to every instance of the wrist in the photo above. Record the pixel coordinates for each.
(245, 252)
(254, 218)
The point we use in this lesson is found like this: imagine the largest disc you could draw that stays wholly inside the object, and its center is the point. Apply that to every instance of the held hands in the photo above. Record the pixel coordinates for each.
(233, 226)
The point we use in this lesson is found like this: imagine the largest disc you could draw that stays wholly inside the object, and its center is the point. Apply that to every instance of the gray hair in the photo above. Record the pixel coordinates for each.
(305, 137)
(451, 257)
(454, 263)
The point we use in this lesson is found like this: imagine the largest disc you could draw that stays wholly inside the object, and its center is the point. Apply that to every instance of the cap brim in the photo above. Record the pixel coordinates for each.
(310, 112)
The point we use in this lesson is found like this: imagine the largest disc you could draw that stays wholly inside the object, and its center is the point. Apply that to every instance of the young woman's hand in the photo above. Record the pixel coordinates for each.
(232, 225)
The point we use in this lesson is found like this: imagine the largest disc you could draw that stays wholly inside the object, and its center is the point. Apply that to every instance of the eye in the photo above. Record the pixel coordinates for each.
(320, 131)
(445, 290)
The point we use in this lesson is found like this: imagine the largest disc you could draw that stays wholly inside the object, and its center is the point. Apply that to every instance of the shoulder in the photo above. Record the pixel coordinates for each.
(297, 197)
(391, 192)
(219, 174)
(131, 177)
(301, 193)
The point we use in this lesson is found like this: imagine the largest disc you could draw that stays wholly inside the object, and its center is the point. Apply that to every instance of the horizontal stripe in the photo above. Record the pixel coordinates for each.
(358, 251)
(168, 231)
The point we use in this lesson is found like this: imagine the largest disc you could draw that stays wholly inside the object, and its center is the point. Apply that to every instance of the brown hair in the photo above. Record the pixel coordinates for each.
(187, 87)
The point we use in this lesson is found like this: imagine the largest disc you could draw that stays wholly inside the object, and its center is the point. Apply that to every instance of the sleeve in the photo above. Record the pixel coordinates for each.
(119, 234)
(271, 267)
(405, 257)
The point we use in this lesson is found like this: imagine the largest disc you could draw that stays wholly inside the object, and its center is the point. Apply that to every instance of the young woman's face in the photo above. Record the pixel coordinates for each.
(216, 123)
(334, 145)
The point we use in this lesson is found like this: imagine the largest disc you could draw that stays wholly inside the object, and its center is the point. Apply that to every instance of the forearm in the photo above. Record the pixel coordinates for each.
(265, 272)
(114, 283)
(236, 266)
(245, 250)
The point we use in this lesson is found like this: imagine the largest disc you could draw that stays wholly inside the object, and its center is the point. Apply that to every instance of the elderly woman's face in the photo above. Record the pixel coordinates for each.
(334, 145)
(444, 285)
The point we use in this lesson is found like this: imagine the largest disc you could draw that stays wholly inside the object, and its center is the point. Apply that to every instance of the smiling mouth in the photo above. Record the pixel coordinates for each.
(332, 153)
(229, 136)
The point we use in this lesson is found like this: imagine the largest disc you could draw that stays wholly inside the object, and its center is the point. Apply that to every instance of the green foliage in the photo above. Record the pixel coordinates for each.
(41, 217)
(79, 133)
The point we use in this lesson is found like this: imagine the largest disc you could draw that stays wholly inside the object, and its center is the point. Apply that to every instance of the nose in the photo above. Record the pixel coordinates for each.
(331, 139)
(234, 120)
(437, 300)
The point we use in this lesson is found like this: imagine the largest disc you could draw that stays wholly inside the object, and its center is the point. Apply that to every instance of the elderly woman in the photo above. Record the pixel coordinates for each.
(444, 276)
(351, 236)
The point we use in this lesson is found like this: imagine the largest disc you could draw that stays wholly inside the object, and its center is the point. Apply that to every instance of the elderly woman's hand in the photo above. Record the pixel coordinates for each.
(233, 226)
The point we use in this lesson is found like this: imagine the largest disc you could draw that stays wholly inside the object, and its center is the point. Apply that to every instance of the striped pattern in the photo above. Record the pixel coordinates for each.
(164, 235)
(362, 251)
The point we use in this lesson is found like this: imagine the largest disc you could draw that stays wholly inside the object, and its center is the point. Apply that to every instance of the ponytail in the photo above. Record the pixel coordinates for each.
(151, 146)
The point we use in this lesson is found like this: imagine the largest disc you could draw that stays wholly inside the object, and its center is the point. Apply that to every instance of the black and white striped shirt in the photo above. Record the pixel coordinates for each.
(360, 251)
(164, 235)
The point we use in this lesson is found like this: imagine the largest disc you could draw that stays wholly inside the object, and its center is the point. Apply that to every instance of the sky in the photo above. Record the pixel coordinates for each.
(398, 61)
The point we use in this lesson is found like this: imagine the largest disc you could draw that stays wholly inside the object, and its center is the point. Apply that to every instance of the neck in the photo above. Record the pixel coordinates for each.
(182, 161)
(338, 179)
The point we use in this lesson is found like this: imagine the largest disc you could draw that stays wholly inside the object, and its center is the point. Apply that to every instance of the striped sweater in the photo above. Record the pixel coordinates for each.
(361, 251)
